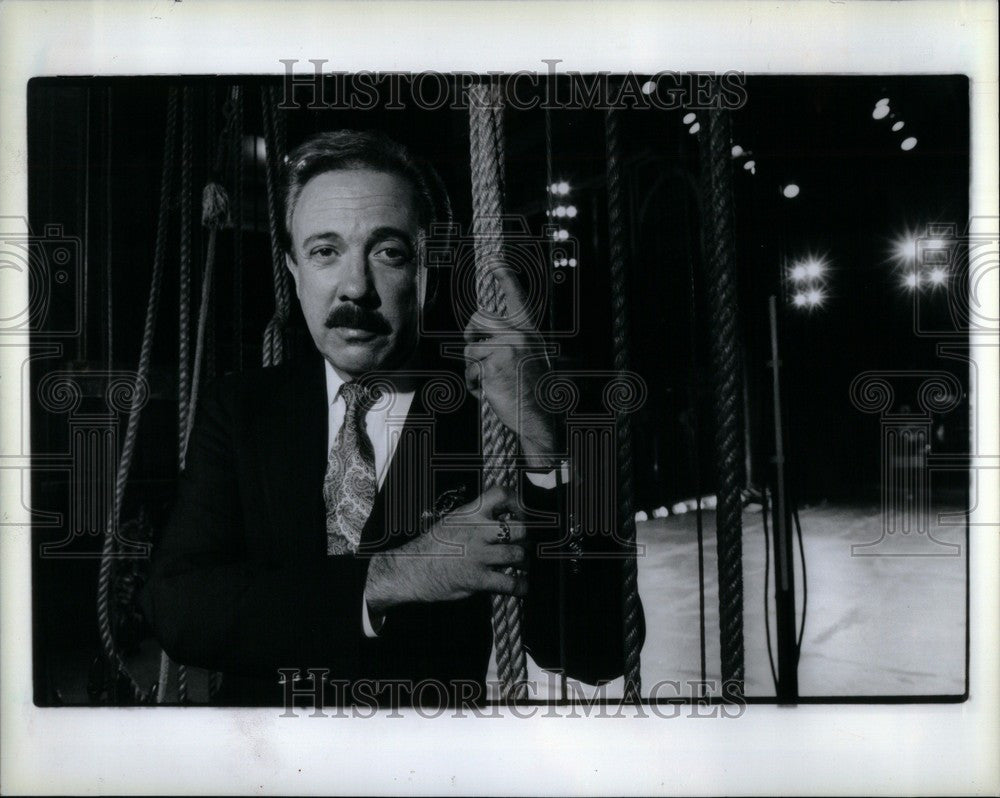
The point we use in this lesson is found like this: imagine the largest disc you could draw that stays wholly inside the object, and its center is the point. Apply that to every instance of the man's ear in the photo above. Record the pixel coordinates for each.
(421, 286)
(293, 267)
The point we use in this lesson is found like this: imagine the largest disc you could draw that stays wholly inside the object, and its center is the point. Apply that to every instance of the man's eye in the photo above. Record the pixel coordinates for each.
(391, 254)
(323, 252)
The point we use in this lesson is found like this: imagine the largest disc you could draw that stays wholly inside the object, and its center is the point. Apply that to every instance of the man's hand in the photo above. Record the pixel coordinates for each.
(504, 361)
(462, 554)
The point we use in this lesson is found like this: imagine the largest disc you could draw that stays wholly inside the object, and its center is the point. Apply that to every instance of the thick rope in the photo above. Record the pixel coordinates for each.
(499, 443)
(184, 289)
(183, 335)
(274, 135)
(721, 281)
(138, 397)
(623, 423)
(236, 144)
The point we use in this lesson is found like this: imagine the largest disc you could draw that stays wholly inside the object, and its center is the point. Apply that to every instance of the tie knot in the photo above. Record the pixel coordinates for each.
(358, 398)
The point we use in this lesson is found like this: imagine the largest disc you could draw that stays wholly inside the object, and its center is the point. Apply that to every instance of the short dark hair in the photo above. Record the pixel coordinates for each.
(354, 149)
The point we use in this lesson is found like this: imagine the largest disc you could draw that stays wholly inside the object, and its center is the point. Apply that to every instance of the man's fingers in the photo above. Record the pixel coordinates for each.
(513, 584)
(504, 554)
(482, 326)
(517, 313)
(498, 500)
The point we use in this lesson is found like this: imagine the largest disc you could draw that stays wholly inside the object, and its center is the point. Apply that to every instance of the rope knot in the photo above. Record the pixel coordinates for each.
(214, 206)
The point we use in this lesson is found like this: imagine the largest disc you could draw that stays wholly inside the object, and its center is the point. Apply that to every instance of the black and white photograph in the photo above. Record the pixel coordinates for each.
(359, 400)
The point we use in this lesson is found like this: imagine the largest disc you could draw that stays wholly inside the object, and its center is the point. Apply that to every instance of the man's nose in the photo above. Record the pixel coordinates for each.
(355, 282)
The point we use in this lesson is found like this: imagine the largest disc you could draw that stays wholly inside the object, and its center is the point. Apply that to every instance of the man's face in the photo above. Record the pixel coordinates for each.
(354, 236)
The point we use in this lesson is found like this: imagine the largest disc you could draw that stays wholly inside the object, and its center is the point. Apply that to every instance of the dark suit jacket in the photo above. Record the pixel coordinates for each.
(241, 582)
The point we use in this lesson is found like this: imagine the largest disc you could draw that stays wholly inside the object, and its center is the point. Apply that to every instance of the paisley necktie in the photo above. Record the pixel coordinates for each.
(349, 485)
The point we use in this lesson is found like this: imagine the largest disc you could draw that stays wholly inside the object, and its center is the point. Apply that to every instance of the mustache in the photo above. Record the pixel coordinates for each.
(351, 315)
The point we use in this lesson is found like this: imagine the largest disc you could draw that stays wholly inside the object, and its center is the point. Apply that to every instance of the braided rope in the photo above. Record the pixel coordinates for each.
(274, 135)
(184, 288)
(184, 413)
(237, 204)
(138, 396)
(487, 161)
(623, 422)
(719, 244)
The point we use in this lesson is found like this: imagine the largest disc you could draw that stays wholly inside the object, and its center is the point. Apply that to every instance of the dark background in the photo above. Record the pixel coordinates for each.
(95, 150)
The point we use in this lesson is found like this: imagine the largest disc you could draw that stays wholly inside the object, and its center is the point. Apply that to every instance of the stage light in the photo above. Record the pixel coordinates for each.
(679, 509)
(694, 128)
(563, 187)
(560, 210)
(799, 300)
(799, 273)
(737, 150)
(572, 262)
(689, 118)
(814, 298)
(880, 112)
(814, 268)
(641, 516)
(563, 235)
(791, 191)
(897, 126)
(661, 512)
(937, 277)
(905, 248)
(554, 188)
(911, 280)
(571, 211)
(883, 101)
(750, 166)
(648, 87)
(908, 143)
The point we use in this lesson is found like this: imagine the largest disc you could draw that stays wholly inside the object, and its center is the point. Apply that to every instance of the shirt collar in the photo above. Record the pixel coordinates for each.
(334, 381)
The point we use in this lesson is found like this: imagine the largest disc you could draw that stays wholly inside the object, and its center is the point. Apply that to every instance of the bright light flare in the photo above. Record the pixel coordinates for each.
(689, 118)
(904, 248)
(908, 143)
(911, 280)
(799, 273)
(937, 277)
(880, 112)
(814, 268)
(791, 191)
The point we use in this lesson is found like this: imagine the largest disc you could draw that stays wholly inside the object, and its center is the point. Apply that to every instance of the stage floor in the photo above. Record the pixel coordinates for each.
(886, 616)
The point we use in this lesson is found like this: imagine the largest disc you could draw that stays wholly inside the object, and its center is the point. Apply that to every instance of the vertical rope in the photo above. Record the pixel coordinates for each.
(487, 163)
(274, 134)
(184, 290)
(183, 344)
(720, 270)
(237, 204)
(623, 422)
(138, 397)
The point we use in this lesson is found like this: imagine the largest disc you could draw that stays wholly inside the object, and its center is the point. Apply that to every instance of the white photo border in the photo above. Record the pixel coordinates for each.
(851, 749)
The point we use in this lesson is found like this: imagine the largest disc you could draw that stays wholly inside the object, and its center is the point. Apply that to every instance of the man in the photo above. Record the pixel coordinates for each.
(312, 526)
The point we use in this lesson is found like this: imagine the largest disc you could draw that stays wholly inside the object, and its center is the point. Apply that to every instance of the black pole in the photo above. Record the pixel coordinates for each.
(784, 572)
